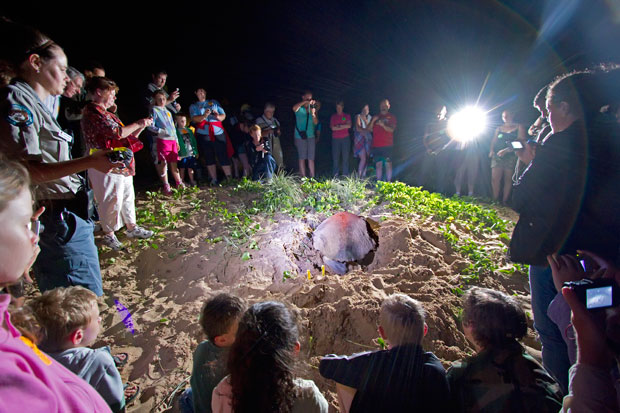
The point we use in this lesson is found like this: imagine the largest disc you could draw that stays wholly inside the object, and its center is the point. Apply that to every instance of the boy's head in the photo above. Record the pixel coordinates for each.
(159, 98)
(401, 320)
(255, 132)
(220, 318)
(181, 120)
(69, 318)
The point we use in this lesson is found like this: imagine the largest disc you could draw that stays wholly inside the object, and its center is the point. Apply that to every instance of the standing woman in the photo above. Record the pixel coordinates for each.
(30, 133)
(113, 190)
(503, 159)
(362, 138)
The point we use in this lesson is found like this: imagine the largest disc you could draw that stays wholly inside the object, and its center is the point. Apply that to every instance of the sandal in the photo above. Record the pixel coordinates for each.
(131, 388)
(120, 359)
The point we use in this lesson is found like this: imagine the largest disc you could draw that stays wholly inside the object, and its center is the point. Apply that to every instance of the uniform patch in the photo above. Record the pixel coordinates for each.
(19, 115)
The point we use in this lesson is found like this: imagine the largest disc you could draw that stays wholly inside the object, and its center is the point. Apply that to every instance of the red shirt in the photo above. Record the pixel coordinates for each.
(337, 120)
(381, 137)
(103, 130)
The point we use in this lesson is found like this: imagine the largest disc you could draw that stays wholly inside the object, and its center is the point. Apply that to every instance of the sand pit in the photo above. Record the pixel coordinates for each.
(164, 282)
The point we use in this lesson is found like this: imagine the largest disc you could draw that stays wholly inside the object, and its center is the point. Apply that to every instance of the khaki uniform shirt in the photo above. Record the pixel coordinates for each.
(28, 131)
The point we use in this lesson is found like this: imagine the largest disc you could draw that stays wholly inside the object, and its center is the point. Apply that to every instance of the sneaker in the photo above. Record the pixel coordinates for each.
(167, 190)
(139, 232)
(112, 242)
(213, 182)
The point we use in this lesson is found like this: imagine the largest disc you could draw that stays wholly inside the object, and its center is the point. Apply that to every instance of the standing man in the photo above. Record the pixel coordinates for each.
(210, 134)
(305, 120)
(159, 83)
(383, 126)
(340, 123)
(270, 127)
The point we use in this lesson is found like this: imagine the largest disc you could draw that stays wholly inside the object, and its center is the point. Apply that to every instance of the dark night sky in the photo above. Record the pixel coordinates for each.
(416, 53)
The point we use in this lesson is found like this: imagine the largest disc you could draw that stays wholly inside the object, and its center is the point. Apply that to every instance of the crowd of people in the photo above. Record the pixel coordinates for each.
(566, 196)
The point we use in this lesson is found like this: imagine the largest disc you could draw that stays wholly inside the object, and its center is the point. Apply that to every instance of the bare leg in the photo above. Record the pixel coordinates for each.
(227, 171)
(175, 173)
(235, 167)
(472, 176)
(311, 167)
(379, 167)
(190, 173)
(302, 167)
(182, 173)
(246, 164)
(361, 169)
(496, 181)
(507, 184)
(162, 171)
(212, 172)
(388, 171)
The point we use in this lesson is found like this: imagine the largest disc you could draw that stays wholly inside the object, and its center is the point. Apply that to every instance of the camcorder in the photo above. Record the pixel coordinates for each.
(596, 294)
(124, 155)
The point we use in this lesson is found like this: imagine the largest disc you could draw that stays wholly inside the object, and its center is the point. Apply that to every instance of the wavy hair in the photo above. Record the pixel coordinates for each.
(261, 361)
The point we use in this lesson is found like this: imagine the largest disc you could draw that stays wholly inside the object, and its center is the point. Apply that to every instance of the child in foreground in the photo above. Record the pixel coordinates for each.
(167, 145)
(261, 365)
(401, 378)
(219, 321)
(70, 321)
(500, 377)
(188, 149)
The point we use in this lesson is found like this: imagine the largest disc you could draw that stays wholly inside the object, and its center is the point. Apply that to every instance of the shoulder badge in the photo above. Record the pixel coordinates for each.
(19, 115)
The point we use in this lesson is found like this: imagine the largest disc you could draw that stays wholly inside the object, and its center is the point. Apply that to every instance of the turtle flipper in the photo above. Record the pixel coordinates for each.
(338, 267)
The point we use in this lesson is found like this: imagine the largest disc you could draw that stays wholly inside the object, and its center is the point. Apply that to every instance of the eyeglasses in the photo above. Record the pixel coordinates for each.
(35, 226)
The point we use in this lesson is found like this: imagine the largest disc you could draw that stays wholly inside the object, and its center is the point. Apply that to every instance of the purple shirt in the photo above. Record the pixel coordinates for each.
(34, 382)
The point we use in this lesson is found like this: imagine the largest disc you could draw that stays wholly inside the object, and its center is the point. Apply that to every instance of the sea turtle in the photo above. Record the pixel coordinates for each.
(341, 239)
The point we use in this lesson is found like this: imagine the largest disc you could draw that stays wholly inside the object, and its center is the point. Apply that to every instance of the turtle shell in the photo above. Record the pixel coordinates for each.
(343, 237)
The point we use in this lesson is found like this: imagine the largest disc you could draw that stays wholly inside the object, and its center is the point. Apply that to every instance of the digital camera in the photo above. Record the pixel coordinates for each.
(596, 294)
(124, 155)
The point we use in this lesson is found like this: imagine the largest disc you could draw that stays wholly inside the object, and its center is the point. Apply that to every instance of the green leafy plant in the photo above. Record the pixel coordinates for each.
(382, 343)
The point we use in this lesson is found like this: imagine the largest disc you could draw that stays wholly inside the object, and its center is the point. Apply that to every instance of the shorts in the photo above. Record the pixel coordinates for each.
(508, 161)
(305, 148)
(239, 149)
(383, 154)
(209, 150)
(167, 151)
(68, 253)
(189, 162)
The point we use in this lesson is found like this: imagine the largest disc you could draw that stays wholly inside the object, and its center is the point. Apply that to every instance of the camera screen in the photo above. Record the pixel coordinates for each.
(599, 297)
(516, 145)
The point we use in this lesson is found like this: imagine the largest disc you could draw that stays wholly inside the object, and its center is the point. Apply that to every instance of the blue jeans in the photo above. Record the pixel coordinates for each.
(68, 253)
(186, 401)
(554, 351)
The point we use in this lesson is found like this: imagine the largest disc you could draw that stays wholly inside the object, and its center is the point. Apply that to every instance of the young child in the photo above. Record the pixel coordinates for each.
(262, 366)
(70, 321)
(501, 376)
(401, 378)
(219, 321)
(188, 149)
(167, 145)
(263, 164)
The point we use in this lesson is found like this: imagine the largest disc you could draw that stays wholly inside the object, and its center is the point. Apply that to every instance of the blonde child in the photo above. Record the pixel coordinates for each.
(167, 145)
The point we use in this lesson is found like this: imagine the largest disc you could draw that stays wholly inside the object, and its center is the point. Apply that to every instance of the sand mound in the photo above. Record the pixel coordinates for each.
(163, 283)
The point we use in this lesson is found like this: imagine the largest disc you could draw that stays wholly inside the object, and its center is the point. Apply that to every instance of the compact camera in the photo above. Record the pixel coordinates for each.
(596, 294)
(124, 155)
